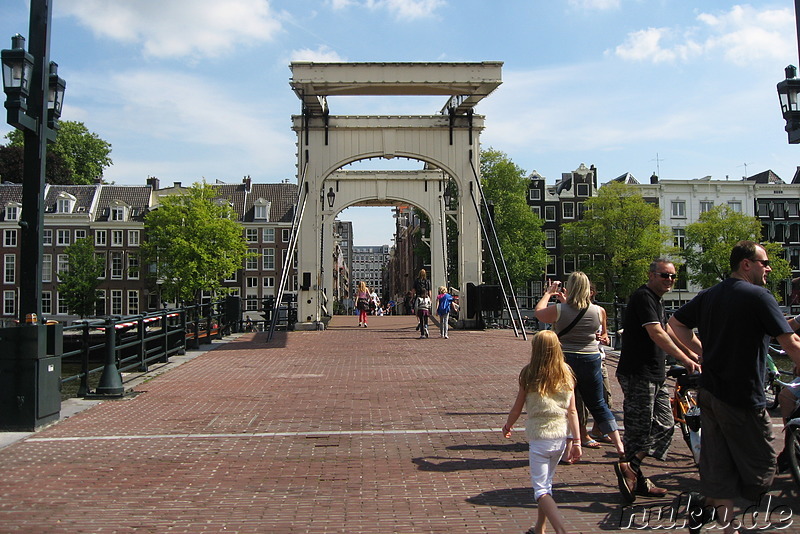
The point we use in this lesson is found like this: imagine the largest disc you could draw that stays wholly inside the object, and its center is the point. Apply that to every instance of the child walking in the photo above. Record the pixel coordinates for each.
(362, 303)
(443, 310)
(546, 387)
(423, 306)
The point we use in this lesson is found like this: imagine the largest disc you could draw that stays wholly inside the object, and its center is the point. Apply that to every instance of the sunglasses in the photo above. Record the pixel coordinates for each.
(671, 276)
(765, 263)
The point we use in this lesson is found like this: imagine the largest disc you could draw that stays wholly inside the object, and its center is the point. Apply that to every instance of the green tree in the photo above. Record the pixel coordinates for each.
(617, 238)
(194, 242)
(82, 156)
(709, 242)
(519, 230)
(78, 284)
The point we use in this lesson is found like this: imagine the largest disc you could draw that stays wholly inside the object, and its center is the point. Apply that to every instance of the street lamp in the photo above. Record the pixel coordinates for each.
(331, 197)
(788, 91)
(447, 196)
(34, 96)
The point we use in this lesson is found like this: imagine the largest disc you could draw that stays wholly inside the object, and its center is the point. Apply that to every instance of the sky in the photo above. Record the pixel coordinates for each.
(192, 90)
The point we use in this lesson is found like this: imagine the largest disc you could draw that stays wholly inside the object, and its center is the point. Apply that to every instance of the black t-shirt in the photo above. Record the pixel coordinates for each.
(422, 283)
(640, 356)
(735, 321)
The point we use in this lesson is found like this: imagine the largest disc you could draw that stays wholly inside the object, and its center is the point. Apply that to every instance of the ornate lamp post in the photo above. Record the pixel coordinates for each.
(34, 95)
(789, 89)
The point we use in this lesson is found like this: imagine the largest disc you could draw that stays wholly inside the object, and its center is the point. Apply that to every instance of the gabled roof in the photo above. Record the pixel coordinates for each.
(626, 178)
(84, 195)
(135, 196)
(766, 177)
(281, 196)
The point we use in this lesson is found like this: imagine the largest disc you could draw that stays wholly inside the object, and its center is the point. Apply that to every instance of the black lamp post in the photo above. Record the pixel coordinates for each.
(331, 197)
(34, 95)
(789, 89)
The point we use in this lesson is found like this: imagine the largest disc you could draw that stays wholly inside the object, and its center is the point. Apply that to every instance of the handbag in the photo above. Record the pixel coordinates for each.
(569, 327)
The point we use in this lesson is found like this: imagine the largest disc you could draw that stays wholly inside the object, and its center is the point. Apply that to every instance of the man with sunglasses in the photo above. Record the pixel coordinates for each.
(735, 320)
(641, 372)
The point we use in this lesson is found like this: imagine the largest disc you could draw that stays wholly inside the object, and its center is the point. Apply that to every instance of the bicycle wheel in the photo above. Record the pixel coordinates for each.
(771, 393)
(793, 449)
(692, 432)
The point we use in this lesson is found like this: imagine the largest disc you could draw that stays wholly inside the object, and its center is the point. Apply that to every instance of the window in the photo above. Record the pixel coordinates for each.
(10, 238)
(232, 277)
(251, 235)
(64, 205)
(251, 304)
(251, 263)
(269, 281)
(62, 238)
(102, 257)
(116, 265)
(286, 234)
(100, 302)
(117, 213)
(549, 213)
(537, 210)
(260, 212)
(12, 212)
(550, 238)
(117, 238)
(9, 302)
(47, 237)
(706, 205)
(9, 268)
(80, 234)
(568, 210)
(569, 263)
(679, 238)
(779, 210)
(133, 302)
(269, 235)
(763, 208)
(551, 266)
(581, 209)
(133, 238)
(47, 303)
(252, 281)
(62, 306)
(735, 206)
(268, 263)
(534, 194)
(133, 267)
(792, 209)
(116, 302)
(583, 190)
(678, 208)
(62, 265)
(100, 238)
(47, 267)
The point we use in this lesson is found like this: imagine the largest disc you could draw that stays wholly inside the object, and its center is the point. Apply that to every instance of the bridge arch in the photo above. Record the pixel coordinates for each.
(447, 143)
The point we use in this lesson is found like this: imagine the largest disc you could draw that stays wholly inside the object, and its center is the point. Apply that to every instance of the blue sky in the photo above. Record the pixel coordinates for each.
(187, 90)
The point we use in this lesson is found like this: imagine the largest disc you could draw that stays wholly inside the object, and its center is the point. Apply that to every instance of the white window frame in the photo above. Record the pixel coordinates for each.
(269, 235)
(9, 268)
(117, 238)
(47, 236)
(47, 267)
(706, 205)
(268, 259)
(678, 209)
(534, 194)
(568, 210)
(100, 238)
(133, 267)
(117, 266)
(62, 263)
(251, 235)
(10, 237)
(550, 238)
(134, 238)
(10, 302)
(116, 302)
(63, 238)
(80, 234)
(550, 213)
(133, 302)
(47, 302)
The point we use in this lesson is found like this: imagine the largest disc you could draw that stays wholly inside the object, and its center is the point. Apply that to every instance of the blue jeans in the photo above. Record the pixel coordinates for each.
(589, 376)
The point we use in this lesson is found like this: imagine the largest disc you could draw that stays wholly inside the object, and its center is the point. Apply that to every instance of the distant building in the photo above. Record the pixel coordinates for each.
(369, 264)
(113, 217)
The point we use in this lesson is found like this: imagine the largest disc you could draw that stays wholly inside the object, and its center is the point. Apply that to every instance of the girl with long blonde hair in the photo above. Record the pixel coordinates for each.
(546, 387)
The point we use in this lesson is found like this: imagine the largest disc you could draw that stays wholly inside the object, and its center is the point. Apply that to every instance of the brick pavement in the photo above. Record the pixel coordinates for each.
(347, 430)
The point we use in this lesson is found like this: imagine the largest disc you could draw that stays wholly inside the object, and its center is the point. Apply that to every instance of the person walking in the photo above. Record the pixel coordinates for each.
(641, 373)
(444, 300)
(576, 321)
(423, 306)
(735, 320)
(422, 283)
(362, 303)
(546, 387)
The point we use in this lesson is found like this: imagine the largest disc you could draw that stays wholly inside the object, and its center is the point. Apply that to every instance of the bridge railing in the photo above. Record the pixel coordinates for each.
(139, 341)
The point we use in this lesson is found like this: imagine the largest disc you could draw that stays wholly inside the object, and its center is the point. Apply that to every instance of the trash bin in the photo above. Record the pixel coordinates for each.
(30, 376)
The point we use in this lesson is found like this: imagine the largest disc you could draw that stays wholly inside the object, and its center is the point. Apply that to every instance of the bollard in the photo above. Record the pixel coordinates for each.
(111, 380)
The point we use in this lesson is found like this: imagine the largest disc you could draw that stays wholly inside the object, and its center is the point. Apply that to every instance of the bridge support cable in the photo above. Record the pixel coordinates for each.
(496, 242)
(443, 219)
(297, 218)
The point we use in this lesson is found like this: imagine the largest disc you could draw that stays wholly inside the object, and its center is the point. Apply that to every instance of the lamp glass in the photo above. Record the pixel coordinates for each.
(17, 68)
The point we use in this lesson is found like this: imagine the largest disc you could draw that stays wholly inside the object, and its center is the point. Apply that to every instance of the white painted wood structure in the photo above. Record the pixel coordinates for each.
(447, 143)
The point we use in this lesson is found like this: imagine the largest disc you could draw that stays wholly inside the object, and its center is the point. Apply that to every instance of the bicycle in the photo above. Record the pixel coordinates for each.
(772, 380)
(685, 410)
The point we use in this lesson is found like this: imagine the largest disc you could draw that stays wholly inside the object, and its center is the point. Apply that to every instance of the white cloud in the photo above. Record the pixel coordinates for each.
(601, 5)
(178, 28)
(322, 54)
(742, 36)
(401, 9)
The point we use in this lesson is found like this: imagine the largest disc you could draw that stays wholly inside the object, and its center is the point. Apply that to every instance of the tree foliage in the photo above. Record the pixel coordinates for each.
(78, 156)
(519, 230)
(709, 242)
(78, 284)
(615, 241)
(194, 242)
